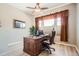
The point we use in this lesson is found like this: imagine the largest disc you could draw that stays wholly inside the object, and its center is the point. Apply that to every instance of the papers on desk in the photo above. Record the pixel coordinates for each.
(38, 37)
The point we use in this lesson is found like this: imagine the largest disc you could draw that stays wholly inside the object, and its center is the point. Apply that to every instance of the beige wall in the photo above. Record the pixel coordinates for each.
(71, 20)
(8, 34)
(77, 25)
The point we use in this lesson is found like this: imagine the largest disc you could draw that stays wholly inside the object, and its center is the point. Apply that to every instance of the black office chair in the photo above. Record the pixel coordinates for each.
(52, 37)
(46, 46)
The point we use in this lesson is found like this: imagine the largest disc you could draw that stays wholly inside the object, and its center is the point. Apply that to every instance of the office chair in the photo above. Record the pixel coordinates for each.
(52, 37)
(46, 46)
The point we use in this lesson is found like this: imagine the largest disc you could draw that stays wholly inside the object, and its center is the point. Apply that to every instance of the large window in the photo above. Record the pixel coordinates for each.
(40, 23)
(49, 22)
(58, 21)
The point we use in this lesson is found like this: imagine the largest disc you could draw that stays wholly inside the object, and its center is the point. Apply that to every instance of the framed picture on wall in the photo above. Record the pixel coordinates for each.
(19, 24)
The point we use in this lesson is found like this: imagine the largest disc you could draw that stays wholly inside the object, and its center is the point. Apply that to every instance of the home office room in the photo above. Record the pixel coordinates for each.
(39, 29)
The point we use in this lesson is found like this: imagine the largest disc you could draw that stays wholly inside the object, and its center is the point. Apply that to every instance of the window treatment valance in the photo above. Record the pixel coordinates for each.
(51, 16)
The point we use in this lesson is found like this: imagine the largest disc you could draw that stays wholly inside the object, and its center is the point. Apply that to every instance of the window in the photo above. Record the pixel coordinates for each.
(58, 21)
(40, 23)
(49, 22)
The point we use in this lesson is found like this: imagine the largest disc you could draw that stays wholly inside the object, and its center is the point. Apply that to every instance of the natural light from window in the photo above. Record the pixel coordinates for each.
(40, 23)
(49, 22)
(58, 21)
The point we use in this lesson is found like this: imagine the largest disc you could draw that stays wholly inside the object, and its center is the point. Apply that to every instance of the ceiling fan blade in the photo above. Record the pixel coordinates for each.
(44, 8)
(30, 7)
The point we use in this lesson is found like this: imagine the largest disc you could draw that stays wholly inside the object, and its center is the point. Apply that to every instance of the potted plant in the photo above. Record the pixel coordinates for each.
(32, 30)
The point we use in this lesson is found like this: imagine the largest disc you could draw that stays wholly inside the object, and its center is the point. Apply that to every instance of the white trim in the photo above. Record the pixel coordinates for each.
(76, 49)
(14, 43)
(65, 44)
(10, 45)
(72, 45)
(4, 53)
(52, 9)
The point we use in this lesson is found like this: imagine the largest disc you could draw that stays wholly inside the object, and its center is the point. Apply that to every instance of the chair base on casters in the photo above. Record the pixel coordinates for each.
(50, 50)
(47, 47)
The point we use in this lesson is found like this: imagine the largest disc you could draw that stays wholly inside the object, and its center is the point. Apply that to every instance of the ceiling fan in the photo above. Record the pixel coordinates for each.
(37, 7)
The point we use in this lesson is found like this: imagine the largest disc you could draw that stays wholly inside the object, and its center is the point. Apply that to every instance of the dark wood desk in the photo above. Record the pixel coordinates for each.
(33, 45)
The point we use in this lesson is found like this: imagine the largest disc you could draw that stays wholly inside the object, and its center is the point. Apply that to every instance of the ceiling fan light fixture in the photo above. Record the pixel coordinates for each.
(37, 10)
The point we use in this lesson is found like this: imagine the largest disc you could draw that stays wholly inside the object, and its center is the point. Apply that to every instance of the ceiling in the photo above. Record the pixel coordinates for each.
(22, 6)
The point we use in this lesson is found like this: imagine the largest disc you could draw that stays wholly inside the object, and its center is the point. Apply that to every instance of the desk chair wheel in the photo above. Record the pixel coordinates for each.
(53, 49)
(50, 51)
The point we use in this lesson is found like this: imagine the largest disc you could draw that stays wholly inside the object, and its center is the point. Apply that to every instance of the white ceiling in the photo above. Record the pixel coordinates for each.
(22, 6)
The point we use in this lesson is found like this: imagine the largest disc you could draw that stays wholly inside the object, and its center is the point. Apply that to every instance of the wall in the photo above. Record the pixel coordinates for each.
(71, 20)
(78, 25)
(8, 34)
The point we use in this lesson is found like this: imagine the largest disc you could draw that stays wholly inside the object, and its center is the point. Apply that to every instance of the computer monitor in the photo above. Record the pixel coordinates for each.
(39, 32)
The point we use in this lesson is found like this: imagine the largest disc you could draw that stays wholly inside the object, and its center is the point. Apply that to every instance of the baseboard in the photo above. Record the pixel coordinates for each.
(72, 45)
(65, 44)
(76, 49)
(4, 53)
(13, 45)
